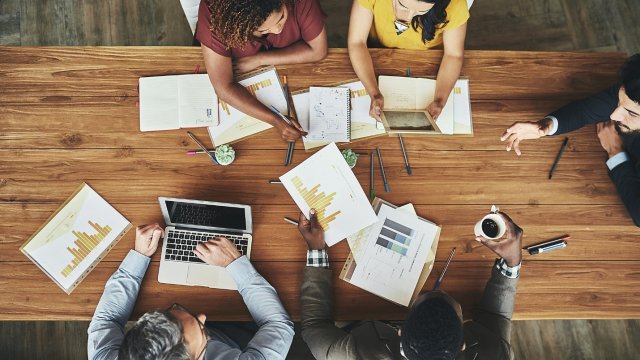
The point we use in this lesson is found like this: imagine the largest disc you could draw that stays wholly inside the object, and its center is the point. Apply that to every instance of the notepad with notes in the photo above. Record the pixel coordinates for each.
(329, 114)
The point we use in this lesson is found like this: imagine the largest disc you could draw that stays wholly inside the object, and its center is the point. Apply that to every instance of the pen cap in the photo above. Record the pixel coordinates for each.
(492, 226)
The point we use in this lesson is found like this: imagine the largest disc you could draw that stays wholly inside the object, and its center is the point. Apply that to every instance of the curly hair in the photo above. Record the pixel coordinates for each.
(435, 18)
(234, 21)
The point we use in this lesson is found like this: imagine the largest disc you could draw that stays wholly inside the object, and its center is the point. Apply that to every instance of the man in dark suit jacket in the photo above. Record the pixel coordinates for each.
(433, 329)
(616, 113)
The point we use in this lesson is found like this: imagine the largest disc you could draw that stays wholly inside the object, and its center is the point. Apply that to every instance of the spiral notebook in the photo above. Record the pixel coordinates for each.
(329, 114)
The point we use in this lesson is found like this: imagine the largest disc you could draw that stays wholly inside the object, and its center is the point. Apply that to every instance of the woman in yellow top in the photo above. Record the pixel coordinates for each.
(408, 24)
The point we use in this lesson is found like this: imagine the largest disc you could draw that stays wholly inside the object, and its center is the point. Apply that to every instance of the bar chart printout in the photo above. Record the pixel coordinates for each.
(76, 236)
(395, 237)
(85, 243)
(325, 182)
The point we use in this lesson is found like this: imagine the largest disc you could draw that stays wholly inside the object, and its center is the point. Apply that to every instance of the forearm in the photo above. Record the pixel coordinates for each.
(363, 67)
(447, 76)
(237, 96)
(297, 53)
(106, 329)
(275, 332)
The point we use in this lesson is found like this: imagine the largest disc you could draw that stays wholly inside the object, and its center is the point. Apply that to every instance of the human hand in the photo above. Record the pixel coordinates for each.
(434, 109)
(289, 132)
(246, 64)
(311, 231)
(377, 105)
(509, 248)
(524, 130)
(610, 140)
(218, 251)
(147, 239)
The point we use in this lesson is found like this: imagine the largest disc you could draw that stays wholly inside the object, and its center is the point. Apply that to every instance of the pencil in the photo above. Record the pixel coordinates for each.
(290, 145)
(436, 286)
(291, 221)
(275, 182)
(555, 163)
(384, 177)
(371, 192)
(195, 152)
(404, 154)
(204, 149)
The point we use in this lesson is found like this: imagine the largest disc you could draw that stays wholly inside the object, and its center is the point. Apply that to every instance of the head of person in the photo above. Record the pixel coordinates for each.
(426, 15)
(172, 334)
(627, 114)
(433, 328)
(237, 22)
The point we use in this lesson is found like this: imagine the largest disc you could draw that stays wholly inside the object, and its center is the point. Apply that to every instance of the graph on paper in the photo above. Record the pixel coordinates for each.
(395, 237)
(75, 237)
(325, 182)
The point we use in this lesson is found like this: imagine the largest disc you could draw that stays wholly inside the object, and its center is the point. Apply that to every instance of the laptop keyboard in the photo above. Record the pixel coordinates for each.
(180, 244)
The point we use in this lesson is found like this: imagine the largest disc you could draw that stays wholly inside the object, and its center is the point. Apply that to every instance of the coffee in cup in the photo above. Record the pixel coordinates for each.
(492, 226)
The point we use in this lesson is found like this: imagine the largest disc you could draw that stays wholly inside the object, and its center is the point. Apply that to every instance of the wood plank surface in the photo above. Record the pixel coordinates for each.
(69, 115)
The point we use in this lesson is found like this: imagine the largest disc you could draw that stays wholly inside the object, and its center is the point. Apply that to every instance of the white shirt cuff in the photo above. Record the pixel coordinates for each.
(554, 125)
(617, 159)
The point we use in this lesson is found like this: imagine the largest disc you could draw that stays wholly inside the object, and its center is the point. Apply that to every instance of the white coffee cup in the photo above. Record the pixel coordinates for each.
(497, 220)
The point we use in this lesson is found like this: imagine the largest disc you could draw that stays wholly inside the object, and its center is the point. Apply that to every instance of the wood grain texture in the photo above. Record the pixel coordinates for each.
(69, 115)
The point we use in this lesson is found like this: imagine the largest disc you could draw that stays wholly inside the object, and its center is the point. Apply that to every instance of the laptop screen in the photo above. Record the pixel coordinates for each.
(206, 215)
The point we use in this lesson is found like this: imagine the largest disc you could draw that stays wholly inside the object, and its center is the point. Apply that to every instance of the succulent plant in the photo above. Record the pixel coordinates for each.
(225, 154)
(350, 157)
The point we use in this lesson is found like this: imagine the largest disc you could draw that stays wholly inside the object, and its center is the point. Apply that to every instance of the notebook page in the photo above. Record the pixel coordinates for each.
(159, 103)
(198, 101)
(329, 114)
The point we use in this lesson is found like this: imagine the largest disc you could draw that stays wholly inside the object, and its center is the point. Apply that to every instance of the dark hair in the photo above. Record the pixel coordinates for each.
(432, 331)
(156, 335)
(630, 76)
(435, 18)
(234, 21)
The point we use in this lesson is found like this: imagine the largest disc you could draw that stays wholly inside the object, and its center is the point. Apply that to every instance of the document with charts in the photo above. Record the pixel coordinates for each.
(326, 183)
(235, 125)
(177, 101)
(394, 256)
(76, 237)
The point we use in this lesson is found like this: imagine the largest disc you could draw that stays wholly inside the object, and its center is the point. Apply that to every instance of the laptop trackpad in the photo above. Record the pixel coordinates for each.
(204, 275)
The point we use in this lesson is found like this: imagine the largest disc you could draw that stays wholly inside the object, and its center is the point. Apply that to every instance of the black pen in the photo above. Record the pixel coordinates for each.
(555, 163)
(371, 192)
(384, 176)
(404, 154)
(436, 286)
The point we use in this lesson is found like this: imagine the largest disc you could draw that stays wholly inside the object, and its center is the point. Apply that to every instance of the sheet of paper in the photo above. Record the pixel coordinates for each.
(234, 124)
(159, 105)
(445, 120)
(399, 92)
(68, 244)
(358, 240)
(329, 115)
(394, 258)
(198, 101)
(325, 182)
(462, 108)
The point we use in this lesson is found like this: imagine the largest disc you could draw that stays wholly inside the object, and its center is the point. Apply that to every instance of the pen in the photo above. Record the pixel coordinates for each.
(275, 182)
(194, 152)
(204, 149)
(558, 245)
(371, 192)
(565, 237)
(291, 221)
(404, 154)
(291, 145)
(384, 177)
(436, 286)
(555, 163)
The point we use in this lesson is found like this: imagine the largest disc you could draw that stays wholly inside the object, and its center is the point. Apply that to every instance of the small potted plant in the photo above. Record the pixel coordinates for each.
(225, 154)
(350, 157)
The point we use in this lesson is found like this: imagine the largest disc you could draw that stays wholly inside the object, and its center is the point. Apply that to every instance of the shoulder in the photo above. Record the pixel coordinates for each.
(457, 13)
(367, 4)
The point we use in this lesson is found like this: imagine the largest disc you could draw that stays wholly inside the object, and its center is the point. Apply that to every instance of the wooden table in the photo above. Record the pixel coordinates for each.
(69, 115)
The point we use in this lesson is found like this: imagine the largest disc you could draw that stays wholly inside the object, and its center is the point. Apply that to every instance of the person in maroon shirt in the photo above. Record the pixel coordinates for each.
(243, 35)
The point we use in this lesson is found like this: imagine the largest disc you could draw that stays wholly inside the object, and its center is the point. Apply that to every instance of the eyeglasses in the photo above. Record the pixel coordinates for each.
(179, 307)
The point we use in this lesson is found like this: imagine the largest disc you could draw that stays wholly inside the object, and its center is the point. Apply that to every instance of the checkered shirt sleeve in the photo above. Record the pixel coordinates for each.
(318, 258)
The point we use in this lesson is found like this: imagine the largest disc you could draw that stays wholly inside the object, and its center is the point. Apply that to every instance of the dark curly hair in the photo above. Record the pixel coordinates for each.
(434, 19)
(432, 331)
(234, 21)
(630, 76)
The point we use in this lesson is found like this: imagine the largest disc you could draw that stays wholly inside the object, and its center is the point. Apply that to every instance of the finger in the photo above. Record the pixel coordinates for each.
(505, 135)
(155, 237)
(303, 223)
(516, 147)
(143, 228)
(510, 141)
(315, 224)
(296, 124)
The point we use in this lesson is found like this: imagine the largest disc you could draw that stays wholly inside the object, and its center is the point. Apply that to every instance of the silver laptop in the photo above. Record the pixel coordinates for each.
(190, 222)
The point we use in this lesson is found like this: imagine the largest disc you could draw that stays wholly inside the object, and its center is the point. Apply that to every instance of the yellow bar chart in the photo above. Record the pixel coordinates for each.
(317, 200)
(85, 243)
(358, 93)
(252, 88)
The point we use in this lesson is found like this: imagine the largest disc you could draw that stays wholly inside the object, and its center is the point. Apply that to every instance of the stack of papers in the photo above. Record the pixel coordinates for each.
(393, 257)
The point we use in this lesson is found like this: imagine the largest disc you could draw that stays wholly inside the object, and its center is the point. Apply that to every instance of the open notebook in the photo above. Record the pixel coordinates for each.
(361, 124)
(177, 101)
